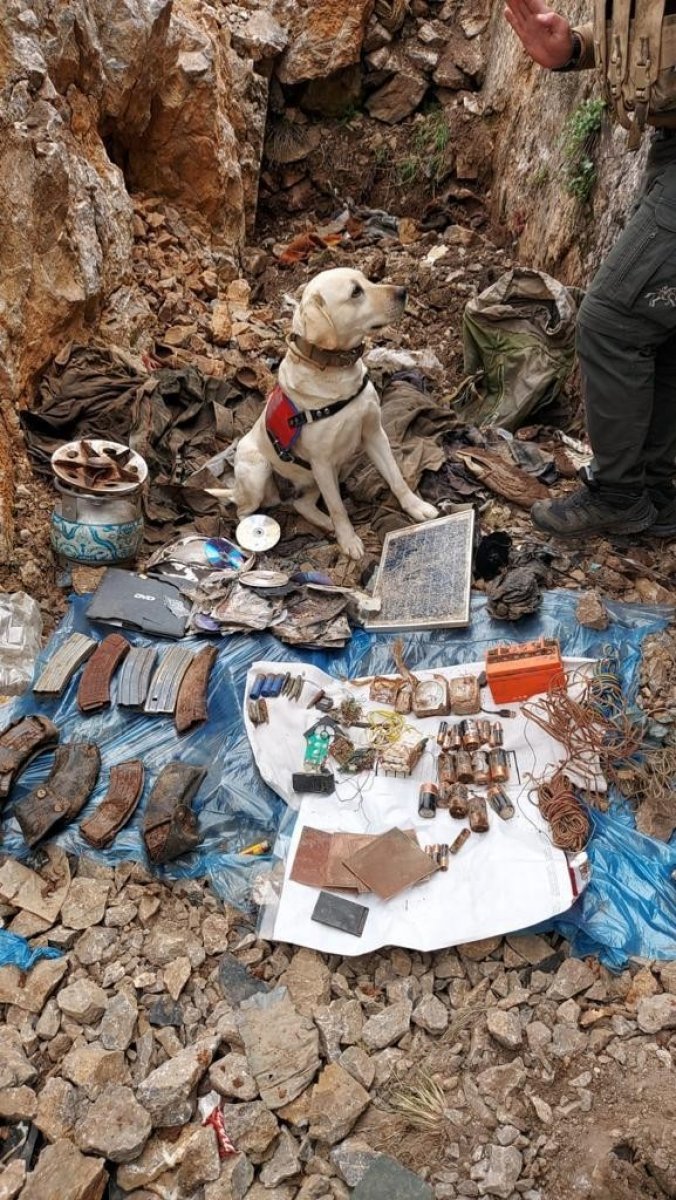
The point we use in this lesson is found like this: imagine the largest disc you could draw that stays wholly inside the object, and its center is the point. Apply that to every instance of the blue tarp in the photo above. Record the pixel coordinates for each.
(629, 907)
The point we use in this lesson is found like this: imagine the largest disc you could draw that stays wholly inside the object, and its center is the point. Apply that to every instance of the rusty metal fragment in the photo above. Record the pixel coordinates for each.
(93, 692)
(125, 786)
(191, 705)
(64, 793)
(19, 743)
(170, 825)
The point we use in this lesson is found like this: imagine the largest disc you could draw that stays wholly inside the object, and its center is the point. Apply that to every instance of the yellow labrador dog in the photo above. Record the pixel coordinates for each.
(324, 410)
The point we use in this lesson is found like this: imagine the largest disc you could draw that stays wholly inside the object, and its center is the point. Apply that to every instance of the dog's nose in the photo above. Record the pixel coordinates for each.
(401, 294)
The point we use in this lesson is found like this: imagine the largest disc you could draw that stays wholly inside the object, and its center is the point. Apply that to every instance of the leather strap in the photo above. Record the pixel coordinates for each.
(191, 705)
(64, 793)
(169, 825)
(308, 416)
(93, 693)
(322, 357)
(125, 785)
(19, 743)
(134, 681)
(64, 663)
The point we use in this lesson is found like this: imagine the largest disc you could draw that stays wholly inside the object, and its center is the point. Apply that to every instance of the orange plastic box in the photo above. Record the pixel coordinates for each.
(518, 671)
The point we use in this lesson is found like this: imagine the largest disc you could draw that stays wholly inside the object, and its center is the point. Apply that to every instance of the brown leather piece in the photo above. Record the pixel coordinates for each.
(191, 705)
(64, 793)
(94, 690)
(169, 824)
(19, 743)
(125, 786)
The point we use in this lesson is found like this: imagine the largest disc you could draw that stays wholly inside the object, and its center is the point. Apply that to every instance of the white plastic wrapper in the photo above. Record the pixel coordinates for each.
(20, 641)
(507, 879)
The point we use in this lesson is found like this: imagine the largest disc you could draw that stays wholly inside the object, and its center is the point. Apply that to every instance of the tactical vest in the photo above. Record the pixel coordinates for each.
(635, 52)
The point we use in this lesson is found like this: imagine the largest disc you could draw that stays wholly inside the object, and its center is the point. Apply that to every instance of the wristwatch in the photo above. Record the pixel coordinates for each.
(575, 54)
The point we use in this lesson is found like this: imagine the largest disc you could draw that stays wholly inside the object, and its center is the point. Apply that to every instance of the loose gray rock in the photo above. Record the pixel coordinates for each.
(234, 1180)
(97, 945)
(431, 1015)
(119, 1022)
(92, 1068)
(47, 1025)
(215, 929)
(167, 942)
(567, 1041)
(359, 1065)
(388, 1026)
(17, 1104)
(308, 981)
(387, 1179)
(12, 1179)
(116, 1126)
(284, 1164)
(119, 915)
(505, 1027)
(201, 1163)
(504, 1167)
(657, 1012)
(352, 1159)
(30, 990)
(236, 983)
(542, 1110)
(282, 1047)
(339, 1023)
(176, 975)
(62, 1171)
(230, 1077)
(572, 977)
(85, 903)
(15, 1068)
(500, 1082)
(168, 1092)
(57, 1110)
(338, 1101)
(252, 1127)
(83, 1001)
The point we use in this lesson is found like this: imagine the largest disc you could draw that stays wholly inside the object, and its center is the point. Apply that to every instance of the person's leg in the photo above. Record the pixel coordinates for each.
(623, 324)
(660, 445)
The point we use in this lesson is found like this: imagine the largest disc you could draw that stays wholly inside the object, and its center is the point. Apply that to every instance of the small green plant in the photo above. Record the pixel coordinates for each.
(540, 177)
(579, 138)
(427, 159)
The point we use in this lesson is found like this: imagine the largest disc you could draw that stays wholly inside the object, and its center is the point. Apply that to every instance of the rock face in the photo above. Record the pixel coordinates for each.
(93, 94)
(327, 35)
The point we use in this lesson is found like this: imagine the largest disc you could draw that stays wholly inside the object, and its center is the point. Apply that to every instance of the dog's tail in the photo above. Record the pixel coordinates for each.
(227, 495)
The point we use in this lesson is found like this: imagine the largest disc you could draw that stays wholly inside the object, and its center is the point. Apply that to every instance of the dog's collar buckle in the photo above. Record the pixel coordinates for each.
(322, 357)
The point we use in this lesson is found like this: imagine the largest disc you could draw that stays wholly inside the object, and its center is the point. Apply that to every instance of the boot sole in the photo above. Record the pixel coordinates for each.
(628, 527)
(662, 531)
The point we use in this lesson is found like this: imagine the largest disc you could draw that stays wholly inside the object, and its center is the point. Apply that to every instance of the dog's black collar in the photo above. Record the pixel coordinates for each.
(322, 357)
(308, 416)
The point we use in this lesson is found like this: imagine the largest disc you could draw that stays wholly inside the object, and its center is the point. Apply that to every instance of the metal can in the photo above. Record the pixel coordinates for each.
(463, 767)
(478, 814)
(458, 801)
(459, 841)
(497, 736)
(480, 768)
(500, 802)
(442, 856)
(499, 766)
(446, 776)
(453, 739)
(484, 728)
(441, 733)
(469, 731)
(427, 800)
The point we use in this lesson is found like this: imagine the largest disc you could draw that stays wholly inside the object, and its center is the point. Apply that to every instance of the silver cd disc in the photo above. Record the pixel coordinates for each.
(264, 579)
(257, 533)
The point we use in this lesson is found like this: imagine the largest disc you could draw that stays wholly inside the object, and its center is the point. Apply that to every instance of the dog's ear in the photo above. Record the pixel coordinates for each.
(312, 321)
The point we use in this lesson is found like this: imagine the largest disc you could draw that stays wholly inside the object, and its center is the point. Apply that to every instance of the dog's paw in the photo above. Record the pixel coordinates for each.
(351, 545)
(421, 510)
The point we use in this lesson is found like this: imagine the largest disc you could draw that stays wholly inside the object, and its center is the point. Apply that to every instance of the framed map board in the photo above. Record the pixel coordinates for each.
(425, 576)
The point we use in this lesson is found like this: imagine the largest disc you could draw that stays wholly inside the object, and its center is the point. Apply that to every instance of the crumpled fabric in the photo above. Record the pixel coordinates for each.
(517, 592)
(415, 427)
(16, 952)
(174, 418)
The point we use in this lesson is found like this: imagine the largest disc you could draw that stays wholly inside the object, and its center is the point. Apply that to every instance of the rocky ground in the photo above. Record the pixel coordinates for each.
(500, 1069)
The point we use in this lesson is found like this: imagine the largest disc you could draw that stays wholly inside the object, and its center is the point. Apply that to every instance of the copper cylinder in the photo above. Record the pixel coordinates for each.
(500, 802)
(497, 736)
(499, 766)
(480, 768)
(469, 731)
(427, 800)
(441, 733)
(484, 728)
(458, 801)
(463, 767)
(442, 856)
(459, 841)
(453, 739)
(478, 814)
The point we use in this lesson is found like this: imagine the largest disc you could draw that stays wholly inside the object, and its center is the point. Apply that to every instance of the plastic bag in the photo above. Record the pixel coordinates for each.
(16, 952)
(519, 337)
(20, 639)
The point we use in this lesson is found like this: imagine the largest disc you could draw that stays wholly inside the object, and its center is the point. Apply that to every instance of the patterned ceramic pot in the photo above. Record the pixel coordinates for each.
(96, 529)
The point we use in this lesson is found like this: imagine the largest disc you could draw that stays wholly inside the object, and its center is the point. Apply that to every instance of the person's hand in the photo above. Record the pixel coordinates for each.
(545, 35)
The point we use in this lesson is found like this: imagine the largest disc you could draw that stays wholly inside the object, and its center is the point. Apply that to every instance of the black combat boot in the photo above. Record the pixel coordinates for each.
(664, 499)
(595, 510)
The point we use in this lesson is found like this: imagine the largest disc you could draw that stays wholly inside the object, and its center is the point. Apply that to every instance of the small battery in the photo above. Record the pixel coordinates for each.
(478, 814)
(453, 739)
(441, 733)
(480, 768)
(458, 801)
(499, 766)
(497, 736)
(442, 856)
(469, 731)
(500, 802)
(463, 767)
(446, 776)
(257, 687)
(484, 728)
(427, 800)
(459, 841)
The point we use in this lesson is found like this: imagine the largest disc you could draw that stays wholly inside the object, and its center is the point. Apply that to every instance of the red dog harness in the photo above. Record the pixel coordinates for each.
(284, 421)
